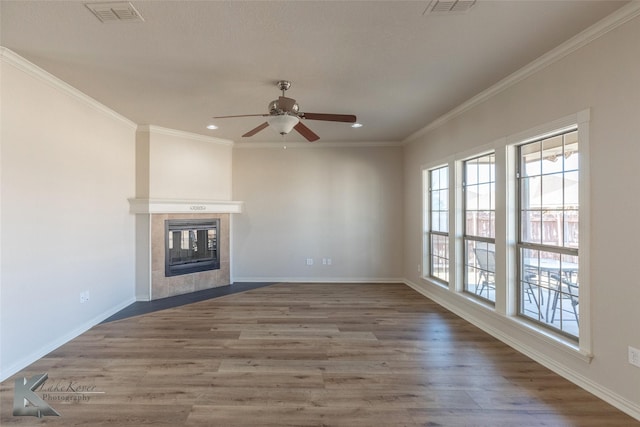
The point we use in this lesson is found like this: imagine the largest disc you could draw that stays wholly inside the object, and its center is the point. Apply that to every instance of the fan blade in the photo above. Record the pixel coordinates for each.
(346, 118)
(243, 115)
(286, 104)
(256, 130)
(306, 132)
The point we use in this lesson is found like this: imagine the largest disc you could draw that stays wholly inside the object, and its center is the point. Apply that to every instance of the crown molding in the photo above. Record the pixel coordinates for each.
(287, 145)
(597, 30)
(11, 58)
(183, 134)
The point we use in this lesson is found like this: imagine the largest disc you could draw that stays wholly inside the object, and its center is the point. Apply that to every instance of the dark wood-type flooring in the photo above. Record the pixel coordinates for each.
(304, 355)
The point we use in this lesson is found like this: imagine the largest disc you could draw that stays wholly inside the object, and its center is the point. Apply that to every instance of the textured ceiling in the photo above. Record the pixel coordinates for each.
(394, 67)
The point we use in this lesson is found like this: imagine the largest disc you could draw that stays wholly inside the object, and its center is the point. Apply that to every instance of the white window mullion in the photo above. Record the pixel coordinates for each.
(584, 173)
(504, 252)
(456, 218)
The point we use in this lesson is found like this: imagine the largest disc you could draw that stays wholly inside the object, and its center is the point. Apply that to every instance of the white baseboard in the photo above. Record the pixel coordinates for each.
(320, 279)
(609, 396)
(49, 347)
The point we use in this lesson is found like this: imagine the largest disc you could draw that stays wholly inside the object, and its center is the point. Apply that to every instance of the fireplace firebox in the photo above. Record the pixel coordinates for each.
(191, 246)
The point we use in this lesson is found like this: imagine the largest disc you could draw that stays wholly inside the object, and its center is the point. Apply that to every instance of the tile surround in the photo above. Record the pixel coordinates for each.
(161, 286)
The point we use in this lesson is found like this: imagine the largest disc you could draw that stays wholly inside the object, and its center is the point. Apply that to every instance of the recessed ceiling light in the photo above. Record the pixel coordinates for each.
(212, 127)
(356, 125)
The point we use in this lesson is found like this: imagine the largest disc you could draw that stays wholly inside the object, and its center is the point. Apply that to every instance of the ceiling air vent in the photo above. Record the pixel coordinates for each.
(440, 7)
(115, 12)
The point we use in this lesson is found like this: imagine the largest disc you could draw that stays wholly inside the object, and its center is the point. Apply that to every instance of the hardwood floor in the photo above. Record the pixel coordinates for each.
(304, 355)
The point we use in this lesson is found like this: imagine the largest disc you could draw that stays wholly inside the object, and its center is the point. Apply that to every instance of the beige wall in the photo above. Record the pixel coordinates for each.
(184, 166)
(67, 169)
(315, 202)
(605, 77)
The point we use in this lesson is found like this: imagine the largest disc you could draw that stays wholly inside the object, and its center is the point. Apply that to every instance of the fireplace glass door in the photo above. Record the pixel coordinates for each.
(191, 246)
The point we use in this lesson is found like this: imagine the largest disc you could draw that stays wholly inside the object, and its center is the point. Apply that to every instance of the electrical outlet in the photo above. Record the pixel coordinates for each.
(309, 261)
(328, 261)
(324, 261)
(84, 297)
(634, 356)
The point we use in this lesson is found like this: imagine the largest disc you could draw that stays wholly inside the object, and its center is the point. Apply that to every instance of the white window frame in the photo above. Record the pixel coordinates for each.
(524, 245)
(506, 233)
(463, 231)
(581, 120)
(427, 230)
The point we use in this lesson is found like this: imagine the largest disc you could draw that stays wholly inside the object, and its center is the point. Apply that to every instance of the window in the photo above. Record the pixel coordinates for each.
(547, 246)
(479, 226)
(438, 220)
(524, 197)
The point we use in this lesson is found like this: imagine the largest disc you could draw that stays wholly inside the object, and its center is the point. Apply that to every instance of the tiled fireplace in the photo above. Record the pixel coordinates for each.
(154, 279)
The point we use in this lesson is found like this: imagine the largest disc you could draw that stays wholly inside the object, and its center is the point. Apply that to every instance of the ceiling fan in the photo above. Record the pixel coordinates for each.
(284, 115)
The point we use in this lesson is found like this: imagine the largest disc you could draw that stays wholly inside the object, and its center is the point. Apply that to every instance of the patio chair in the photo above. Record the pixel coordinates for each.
(529, 278)
(566, 289)
(486, 260)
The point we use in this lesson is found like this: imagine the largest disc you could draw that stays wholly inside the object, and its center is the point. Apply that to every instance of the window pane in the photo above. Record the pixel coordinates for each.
(479, 213)
(471, 197)
(440, 257)
(437, 259)
(552, 155)
(530, 190)
(552, 227)
(479, 196)
(551, 191)
(480, 269)
(484, 224)
(572, 160)
(571, 228)
(435, 221)
(571, 189)
(444, 221)
(471, 172)
(530, 159)
(571, 157)
(444, 177)
(486, 168)
(484, 196)
(548, 289)
(492, 224)
(434, 179)
(443, 200)
(530, 224)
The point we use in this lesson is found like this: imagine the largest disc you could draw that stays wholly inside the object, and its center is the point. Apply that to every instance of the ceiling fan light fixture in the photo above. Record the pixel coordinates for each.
(283, 123)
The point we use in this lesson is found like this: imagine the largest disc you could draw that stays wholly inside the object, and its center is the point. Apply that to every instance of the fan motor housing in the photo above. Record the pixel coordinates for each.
(275, 108)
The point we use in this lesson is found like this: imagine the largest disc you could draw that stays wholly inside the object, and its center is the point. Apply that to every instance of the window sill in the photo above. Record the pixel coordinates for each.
(433, 281)
(557, 341)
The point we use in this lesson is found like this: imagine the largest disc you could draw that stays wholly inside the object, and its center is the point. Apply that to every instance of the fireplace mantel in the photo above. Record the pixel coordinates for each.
(165, 206)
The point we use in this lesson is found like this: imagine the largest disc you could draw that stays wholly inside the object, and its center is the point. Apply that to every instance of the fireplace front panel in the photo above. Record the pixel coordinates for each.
(191, 246)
